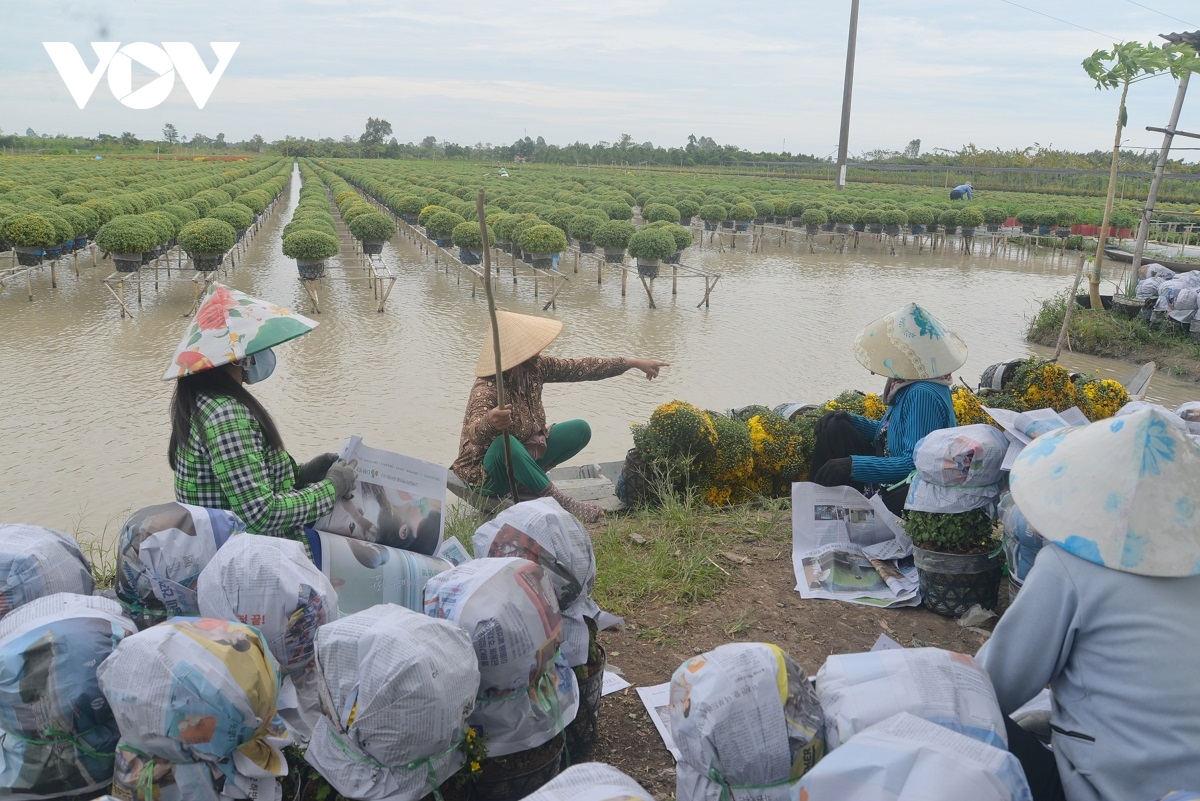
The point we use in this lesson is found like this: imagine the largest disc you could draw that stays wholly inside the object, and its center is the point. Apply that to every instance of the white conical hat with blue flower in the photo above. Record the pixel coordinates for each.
(1121, 492)
(910, 344)
(230, 325)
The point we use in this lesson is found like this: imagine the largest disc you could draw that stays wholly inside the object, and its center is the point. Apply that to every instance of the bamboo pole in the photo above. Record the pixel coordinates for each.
(1062, 334)
(491, 300)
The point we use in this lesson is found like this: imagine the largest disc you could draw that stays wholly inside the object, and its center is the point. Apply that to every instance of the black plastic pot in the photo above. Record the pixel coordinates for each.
(874, 228)
(29, 256)
(583, 731)
(614, 255)
(1027, 229)
(467, 256)
(310, 270)
(1085, 301)
(673, 258)
(587, 247)
(916, 228)
(685, 221)
(952, 583)
(843, 228)
(205, 262)
(1129, 307)
(727, 223)
(993, 227)
(647, 268)
(860, 226)
(891, 230)
(710, 226)
(968, 231)
(812, 229)
(127, 262)
(372, 247)
(517, 786)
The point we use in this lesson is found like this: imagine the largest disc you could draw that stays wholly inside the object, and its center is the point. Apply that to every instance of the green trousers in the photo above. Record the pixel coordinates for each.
(566, 439)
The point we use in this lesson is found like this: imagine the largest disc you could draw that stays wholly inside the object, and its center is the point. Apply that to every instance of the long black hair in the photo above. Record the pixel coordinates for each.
(214, 382)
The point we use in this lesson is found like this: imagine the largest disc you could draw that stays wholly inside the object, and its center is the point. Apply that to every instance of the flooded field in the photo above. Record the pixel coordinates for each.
(84, 421)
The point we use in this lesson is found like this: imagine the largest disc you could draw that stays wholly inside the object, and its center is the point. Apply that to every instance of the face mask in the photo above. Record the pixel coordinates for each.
(259, 366)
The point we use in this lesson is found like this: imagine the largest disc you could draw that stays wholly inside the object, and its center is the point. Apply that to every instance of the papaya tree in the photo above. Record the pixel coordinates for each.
(1125, 64)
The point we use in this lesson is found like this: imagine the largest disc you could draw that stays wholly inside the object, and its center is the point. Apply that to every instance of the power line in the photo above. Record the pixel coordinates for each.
(1058, 19)
(1156, 11)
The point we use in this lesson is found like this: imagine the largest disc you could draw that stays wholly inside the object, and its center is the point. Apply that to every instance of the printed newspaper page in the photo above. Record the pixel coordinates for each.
(848, 548)
(366, 573)
(398, 501)
(1024, 427)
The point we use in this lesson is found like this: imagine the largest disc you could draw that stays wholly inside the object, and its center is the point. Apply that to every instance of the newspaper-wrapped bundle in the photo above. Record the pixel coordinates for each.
(591, 781)
(57, 732)
(906, 757)
(37, 561)
(271, 584)
(195, 701)
(859, 690)
(542, 531)
(747, 724)
(1021, 541)
(958, 469)
(527, 691)
(161, 552)
(397, 688)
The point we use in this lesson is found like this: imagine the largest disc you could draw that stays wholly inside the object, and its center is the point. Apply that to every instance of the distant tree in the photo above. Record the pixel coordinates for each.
(170, 133)
(377, 131)
(256, 142)
(219, 141)
(129, 140)
(913, 150)
(30, 133)
(429, 142)
(199, 140)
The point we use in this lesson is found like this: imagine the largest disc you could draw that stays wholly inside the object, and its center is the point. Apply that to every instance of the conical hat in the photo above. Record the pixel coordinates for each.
(910, 343)
(1121, 492)
(230, 325)
(521, 336)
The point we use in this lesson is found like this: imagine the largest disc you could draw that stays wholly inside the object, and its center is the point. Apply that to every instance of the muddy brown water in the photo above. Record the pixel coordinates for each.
(84, 412)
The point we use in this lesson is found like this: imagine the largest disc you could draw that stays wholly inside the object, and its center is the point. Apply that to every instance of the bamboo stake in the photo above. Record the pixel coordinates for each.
(491, 300)
(1062, 334)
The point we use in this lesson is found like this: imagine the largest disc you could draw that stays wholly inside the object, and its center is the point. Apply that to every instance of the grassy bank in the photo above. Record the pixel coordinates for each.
(1100, 333)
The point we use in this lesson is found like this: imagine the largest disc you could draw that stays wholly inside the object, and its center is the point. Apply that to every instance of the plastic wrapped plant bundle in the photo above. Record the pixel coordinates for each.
(958, 469)
(747, 723)
(57, 733)
(271, 584)
(859, 690)
(907, 757)
(161, 551)
(542, 531)
(37, 561)
(591, 781)
(527, 691)
(397, 689)
(195, 701)
(1021, 542)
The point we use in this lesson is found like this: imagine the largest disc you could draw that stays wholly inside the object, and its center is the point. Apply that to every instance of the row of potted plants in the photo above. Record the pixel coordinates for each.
(311, 236)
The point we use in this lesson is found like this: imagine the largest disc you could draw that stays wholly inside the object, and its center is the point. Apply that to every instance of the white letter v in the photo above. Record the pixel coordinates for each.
(80, 83)
(196, 77)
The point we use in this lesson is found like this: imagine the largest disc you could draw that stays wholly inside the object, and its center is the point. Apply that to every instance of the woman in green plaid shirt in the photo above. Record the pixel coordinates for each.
(225, 449)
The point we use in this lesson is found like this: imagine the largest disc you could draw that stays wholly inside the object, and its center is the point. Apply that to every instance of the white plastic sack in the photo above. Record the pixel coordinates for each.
(398, 688)
(958, 469)
(747, 722)
(55, 726)
(271, 584)
(1155, 270)
(195, 701)
(1190, 414)
(1148, 288)
(37, 561)
(1021, 542)
(161, 553)
(905, 758)
(591, 781)
(527, 691)
(1167, 292)
(860, 690)
(542, 531)
(1175, 417)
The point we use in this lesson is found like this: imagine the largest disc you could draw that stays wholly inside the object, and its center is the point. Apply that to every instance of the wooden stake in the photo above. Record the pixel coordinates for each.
(1062, 334)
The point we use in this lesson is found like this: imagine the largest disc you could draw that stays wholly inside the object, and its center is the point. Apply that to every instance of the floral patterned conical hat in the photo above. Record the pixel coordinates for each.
(230, 325)
(910, 344)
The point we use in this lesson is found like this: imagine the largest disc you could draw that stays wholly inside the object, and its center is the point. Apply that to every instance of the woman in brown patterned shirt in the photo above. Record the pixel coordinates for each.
(535, 447)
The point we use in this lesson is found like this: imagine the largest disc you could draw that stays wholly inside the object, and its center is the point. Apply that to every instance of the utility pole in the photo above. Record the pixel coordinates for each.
(847, 95)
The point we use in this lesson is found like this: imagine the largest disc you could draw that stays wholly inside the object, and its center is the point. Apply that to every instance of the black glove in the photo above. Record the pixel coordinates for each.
(826, 419)
(835, 472)
(315, 469)
(343, 477)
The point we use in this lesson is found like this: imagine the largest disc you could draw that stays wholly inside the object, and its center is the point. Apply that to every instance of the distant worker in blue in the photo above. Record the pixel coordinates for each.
(959, 191)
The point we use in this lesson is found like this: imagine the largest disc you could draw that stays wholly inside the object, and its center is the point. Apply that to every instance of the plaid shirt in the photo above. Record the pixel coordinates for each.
(226, 464)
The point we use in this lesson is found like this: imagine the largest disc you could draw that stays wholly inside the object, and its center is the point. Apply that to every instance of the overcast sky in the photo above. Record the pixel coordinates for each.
(763, 75)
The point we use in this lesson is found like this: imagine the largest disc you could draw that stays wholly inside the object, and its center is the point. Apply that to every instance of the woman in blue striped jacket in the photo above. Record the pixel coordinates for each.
(917, 354)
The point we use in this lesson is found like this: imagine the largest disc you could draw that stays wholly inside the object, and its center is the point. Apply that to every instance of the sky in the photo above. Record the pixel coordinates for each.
(761, 75)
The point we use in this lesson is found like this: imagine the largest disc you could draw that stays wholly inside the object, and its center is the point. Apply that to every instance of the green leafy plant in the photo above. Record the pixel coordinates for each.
(584, 226)
(614, 234)
(682, 236)
(309, 245)
(652, 244)
(466, 235)
(743, 212)
(893, 217)
(871, 216)
(543, 238)
(442, 223)
(29, 231)
(660, 211)
(429, 211)
(207, 236)
(948, 218)
(1027, 216)
(713, 213)
(962, 532)
(372, 225)
(1046, 217)
(127, 234)
(844, 215)
(970, 217)
(237, 215)
(763, 208)
(814, 217)
(686, 207)
(618, 211)
(994, 215)
(1065, 217)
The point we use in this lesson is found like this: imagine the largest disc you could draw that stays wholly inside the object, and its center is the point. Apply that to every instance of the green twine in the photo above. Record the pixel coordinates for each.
(58, 737)
(546, 696)
(426, 762)
(727, 789)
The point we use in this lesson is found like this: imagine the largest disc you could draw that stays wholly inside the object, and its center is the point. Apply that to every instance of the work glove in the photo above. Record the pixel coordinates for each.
(826, 419)
(343, 477)
(315, 469)
(835, 472)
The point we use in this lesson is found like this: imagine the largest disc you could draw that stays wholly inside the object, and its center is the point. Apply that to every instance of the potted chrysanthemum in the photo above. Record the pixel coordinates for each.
(310, 248)
(207, 241)
(649, 246)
